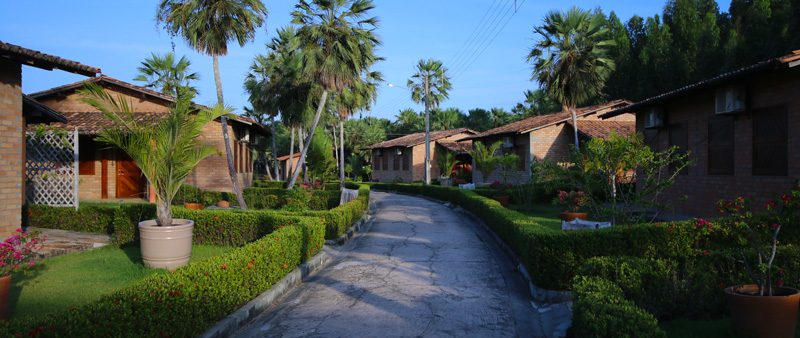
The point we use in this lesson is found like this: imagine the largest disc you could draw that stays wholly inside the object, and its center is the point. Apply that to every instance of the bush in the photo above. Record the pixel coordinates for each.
(600, 310)
(190, 194)
(269, 184)
(184, 303)
(340, 218)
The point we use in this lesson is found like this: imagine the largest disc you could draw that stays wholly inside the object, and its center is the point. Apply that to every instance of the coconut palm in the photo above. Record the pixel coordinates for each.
(208, 26)
(571, 61)
(167, 76)
(165, 152)
(430, 84)
(338, 46)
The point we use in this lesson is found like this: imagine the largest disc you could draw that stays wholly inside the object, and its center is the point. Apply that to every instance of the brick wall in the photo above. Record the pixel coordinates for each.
(12, 148)
(515, 176)
(71, 101)
(212, 172)
(696, 193)
(416, 170)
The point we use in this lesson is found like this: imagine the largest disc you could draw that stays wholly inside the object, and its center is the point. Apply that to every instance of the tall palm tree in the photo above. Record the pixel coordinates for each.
(430, 84)
(208, 26)
(359, 96)
(571, 61)
(338, 46)
(166, 75)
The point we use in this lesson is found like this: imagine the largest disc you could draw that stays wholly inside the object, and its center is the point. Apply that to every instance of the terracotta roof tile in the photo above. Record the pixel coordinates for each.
(419, 138)
(461, 147)
(601, 129)
(45, 61)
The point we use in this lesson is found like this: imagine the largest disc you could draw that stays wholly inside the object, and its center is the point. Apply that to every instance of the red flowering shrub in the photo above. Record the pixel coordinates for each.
(18, 251)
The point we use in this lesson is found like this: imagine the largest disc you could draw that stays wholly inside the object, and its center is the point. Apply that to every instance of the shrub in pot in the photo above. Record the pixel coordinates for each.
(573, 201)
(166, 151)
(17, 253)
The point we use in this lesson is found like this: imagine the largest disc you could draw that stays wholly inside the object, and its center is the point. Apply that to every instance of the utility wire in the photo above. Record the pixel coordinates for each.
(462, 50)
(484, 35)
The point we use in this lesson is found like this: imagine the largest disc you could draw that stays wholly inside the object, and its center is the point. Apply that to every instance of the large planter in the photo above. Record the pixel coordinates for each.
(193, 206)
(5, 288)
(571, 216)
(167, 247)
(763, 316)
(224, 204)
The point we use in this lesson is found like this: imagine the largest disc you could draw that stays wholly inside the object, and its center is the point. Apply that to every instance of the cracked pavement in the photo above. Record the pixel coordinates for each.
(420, 270)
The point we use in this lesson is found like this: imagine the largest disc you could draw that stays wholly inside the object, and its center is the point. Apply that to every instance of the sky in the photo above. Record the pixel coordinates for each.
(483, 43)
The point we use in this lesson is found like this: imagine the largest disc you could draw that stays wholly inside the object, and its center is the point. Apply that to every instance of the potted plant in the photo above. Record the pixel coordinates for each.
(485, 159)
(223, 202)
(446, 160)
(191, 200)
(573, 201)
(765, 308)
(16, 253)
(166, 151)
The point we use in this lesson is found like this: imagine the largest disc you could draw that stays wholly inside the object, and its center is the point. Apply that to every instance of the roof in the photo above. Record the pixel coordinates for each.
(35, 112)
(411, 140)
(601, 129)
(787, 61)
(104, 79)
(461, 147)
(41, 60)
(91, 123)
(286, 157)
(540, 121)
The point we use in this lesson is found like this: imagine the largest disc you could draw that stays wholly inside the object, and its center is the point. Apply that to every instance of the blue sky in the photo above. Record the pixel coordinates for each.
(117, 35)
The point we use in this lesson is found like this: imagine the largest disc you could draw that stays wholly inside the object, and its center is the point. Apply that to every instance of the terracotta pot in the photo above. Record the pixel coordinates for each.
(167, 247)
(763, 316)
(503, 199)
(571, 216)
(5, 288)
(193, 206)
(224, 204)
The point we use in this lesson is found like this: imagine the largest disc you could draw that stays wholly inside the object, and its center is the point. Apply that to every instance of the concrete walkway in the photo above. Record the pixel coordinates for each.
(422, 270)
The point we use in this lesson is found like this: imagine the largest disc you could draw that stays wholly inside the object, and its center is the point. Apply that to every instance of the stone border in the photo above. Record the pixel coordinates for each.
(538, 294)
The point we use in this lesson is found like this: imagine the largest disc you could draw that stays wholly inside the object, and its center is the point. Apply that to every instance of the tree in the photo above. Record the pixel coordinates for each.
(358, 96)
(446, 160)
(208, 26)
(165, 152)
(498, 117)
(167, 76)
(537, 102)
(338, 45)
(429, 84)
(320, 155)
(446, 119)
(571, 61)
(485, 159)
(408, 122)
(477, 119)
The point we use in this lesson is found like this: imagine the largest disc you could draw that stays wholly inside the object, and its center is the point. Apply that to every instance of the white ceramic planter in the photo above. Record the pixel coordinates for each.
(166, 247)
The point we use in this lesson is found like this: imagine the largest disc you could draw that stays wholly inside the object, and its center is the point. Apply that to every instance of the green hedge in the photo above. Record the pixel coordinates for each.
(269, 184)
(601, 310)
(187, 302)
(339, 219)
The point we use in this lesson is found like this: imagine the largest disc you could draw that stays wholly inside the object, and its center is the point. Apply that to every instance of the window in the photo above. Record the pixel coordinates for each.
(406, 159)
(679, 137)
(721, 147)
(385, 162)
(770, 137)
(85, 156)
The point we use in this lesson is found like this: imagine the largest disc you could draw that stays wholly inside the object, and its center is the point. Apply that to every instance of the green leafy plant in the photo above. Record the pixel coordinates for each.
(446, 160)
(507, 163)
(485, 158)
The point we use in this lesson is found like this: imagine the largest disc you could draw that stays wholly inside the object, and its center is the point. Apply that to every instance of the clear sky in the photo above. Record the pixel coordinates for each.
(482, 42)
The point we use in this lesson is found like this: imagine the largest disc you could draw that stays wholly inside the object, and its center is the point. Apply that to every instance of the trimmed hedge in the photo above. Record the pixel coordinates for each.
(601, 310)
(184, 303)
(269, 184)
(339, 219)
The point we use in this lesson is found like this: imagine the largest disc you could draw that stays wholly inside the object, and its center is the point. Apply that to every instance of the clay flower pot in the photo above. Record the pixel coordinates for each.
(571, 216)
(166, 247)
(193, 206)
(763, 316)
(224, 204)
(503, 199)
(5, 288)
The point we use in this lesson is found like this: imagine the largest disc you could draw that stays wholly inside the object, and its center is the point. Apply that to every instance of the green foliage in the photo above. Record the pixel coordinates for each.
(537, 102)
(430, 83)
(600, 310)
(164, 74)
(446, 160)
(269, 184)
(485, 159)
(184, 303)
(320, 161)
(297, 199)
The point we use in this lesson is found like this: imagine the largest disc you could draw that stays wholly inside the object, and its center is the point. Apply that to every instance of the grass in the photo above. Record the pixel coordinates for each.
(76, 279)
(544, 214)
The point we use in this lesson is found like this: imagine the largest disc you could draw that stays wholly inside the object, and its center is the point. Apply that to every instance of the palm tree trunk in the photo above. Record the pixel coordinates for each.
(228, 153)
(574, 125)
(301, 134)
(290, 171)
(217, 80)
(274, 149)
(341, 154)
(336, 148)
(164, 213)
(321, 107)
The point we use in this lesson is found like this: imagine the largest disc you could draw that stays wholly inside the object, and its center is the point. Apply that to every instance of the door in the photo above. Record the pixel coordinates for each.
(130, 182)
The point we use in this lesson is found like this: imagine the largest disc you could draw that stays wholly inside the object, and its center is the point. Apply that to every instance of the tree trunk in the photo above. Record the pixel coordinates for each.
(341, 154)
(228, 153)
(336, 149)
(321, 107)
(575, 125)
(274, 149)
(301, 134)
(164, 213)
(427, 162)
(290, 170)
(218, 80)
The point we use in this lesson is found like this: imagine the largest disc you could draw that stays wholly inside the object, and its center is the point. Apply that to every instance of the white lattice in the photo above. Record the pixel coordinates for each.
(51, 168)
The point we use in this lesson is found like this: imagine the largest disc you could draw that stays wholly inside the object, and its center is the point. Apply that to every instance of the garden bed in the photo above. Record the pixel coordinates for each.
(544, 214)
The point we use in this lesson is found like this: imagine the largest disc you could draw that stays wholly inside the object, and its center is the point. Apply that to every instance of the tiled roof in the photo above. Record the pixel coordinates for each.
(419, 138)
(45, 61)
(31, 106)
(457, 147)
(91, 123)
(789, 60)
(286, 157)
(541, 121)
(601, 129)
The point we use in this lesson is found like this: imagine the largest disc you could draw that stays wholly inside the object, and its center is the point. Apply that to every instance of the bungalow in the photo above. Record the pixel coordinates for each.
(739, 128)
(286, 165)
(403, 158)
(16, 110)
(549, 137)
(108, 173)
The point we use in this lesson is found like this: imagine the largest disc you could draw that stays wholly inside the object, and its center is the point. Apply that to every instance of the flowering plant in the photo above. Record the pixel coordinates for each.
(17, 252)
(573, 200)
(756, 238)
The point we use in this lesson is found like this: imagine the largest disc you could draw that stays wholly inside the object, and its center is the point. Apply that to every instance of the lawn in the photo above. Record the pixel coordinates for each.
(80, 278)
(544, 214)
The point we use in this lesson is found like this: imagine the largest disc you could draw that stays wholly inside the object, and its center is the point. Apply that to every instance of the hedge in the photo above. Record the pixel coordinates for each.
(339, 219)
(184, 303)
(265, 195)
(601, 310)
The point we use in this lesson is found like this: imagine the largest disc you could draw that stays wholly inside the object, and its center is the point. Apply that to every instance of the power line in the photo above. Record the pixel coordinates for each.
(482, 38)
(462, 50)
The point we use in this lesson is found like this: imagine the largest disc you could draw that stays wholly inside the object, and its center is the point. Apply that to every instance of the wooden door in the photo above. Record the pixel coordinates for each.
(130, 182)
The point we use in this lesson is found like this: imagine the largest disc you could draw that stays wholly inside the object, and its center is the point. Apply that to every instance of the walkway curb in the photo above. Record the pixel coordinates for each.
(357, 227)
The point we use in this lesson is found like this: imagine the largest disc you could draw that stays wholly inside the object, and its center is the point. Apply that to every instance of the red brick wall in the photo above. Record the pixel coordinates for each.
(12, 148)
(696, 193)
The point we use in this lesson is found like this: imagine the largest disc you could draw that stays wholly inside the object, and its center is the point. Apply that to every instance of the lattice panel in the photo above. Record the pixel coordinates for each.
(51, 168)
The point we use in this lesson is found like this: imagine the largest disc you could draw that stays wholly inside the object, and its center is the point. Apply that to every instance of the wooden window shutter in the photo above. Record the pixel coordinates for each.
(86, 162)
(721, 145)
(679, 137)
(770, 141)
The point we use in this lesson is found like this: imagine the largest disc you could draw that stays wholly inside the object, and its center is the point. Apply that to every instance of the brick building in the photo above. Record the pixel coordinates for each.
(403, 158)
(549, 137)
(739, 128)
(108, 173)
(15, 111)
(287, 166)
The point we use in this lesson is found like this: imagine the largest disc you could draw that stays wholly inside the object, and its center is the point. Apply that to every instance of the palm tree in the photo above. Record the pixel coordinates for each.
(571, 61)
(408, 121)
(359, 96)
(430, 84)
(208, 26)
(338, 45)
(164, 74)
(166, 152)
(485, 159)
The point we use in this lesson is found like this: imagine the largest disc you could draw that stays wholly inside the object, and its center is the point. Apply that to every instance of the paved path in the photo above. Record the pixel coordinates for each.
(422, 270)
